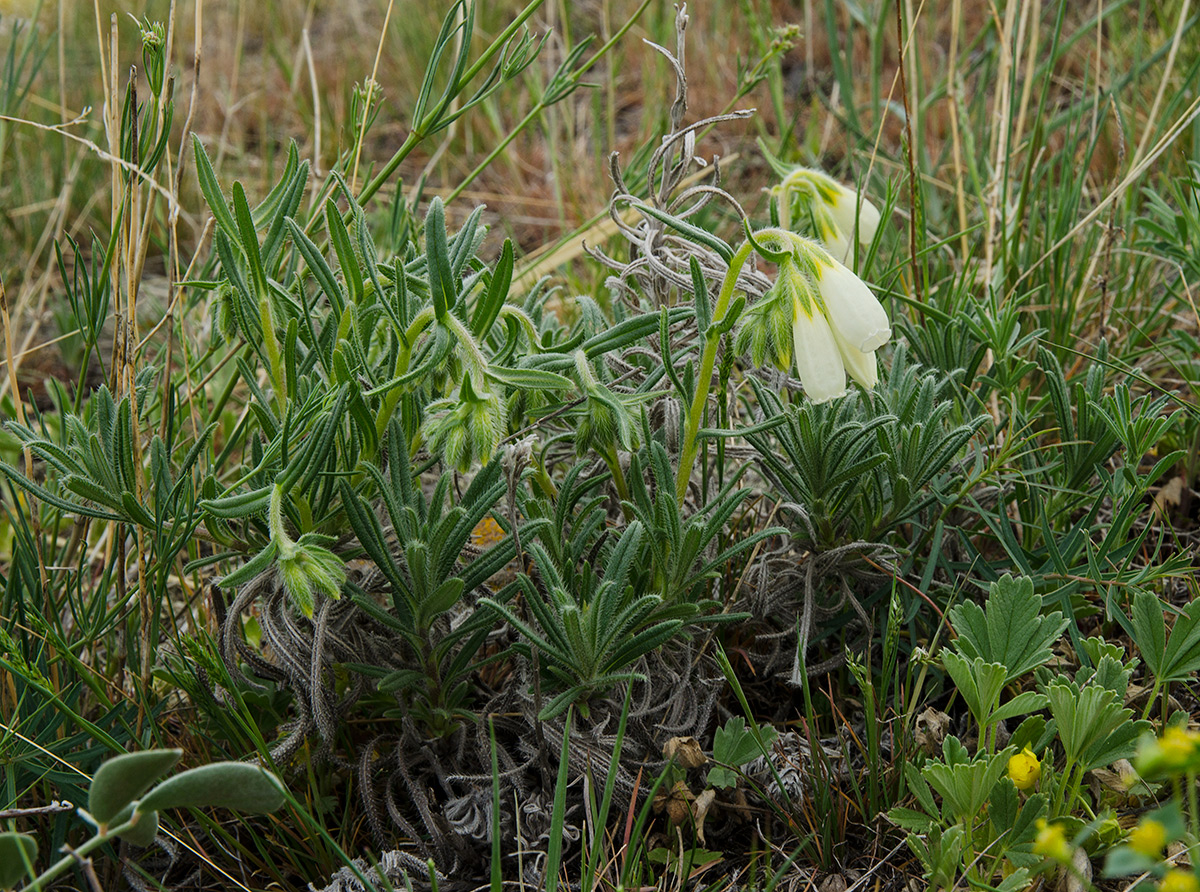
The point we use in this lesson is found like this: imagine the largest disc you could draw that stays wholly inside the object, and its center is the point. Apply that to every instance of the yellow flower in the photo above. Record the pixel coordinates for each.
(1148, 837)
(1024, 769)
(1177, 751)
(1178, 744)
(1179, 881)
(1052, 843)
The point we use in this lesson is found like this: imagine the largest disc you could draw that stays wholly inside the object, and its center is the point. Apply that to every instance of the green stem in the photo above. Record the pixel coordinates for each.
(687, 455)
(271, 343)
(1193, 816)
(403, 356)
(1150, 701)
(62, 864)
(609, 454)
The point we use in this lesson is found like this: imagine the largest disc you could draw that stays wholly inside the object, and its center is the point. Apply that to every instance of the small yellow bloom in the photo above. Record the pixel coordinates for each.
(1179, 881)
(1148, 837)
(1024, 769)
(1179, 744)
(1052, 843)
(1177, 751)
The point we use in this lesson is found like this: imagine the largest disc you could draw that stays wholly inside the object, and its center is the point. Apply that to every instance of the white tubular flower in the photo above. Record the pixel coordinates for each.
(818, 357)
(857, 316)
(837, 323)
(862, 367)
(845, 205)
(832, 208)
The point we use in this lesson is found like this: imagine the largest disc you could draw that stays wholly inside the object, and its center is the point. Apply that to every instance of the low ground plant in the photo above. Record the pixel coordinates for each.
(822, 513)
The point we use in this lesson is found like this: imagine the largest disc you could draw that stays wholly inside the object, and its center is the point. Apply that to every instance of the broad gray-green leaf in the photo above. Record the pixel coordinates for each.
(1011, 631)
(16, 849)
(234, 785)
(140, 834)
(121, 780)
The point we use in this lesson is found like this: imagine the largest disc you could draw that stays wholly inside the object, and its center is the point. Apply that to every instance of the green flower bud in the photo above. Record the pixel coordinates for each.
(606, 422)
(468, 428)
(766, 329)
(305, 566)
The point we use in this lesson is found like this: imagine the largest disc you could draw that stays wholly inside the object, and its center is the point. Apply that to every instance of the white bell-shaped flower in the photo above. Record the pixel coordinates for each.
(847, 205)
(836, 212)
(855, 313)
(818, 359)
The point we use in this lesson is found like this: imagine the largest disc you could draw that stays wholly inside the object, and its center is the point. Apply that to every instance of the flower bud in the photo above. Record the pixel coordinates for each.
(466, 429)
(766, 328)
(1024, 769)
(307, 567)
(605, 423)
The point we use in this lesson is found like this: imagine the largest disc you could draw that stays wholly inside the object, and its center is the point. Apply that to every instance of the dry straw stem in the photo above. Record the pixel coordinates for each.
(1181, 124)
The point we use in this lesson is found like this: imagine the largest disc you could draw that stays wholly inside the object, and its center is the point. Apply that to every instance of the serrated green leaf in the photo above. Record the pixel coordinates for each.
(978, 681)
(1022, 704)
(910, 819)
(1011, 631)
(735, 744)
(1176, 658)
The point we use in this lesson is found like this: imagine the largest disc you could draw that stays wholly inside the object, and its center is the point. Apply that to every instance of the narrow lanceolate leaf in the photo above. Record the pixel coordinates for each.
(235, 785)
(248, 237)
(529, 379)
(212, 189)
(122, 779)
(441, 277)
(492, 300)
(16, 851)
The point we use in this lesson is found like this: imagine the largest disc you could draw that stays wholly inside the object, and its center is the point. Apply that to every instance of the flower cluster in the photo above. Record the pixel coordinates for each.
(304, 565)
(836, 323)
(467, 428)
(829, 210)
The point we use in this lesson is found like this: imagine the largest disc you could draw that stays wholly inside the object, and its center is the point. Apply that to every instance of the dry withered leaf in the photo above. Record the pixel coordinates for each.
(701, 807)
(685, 751)
(930, 729)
